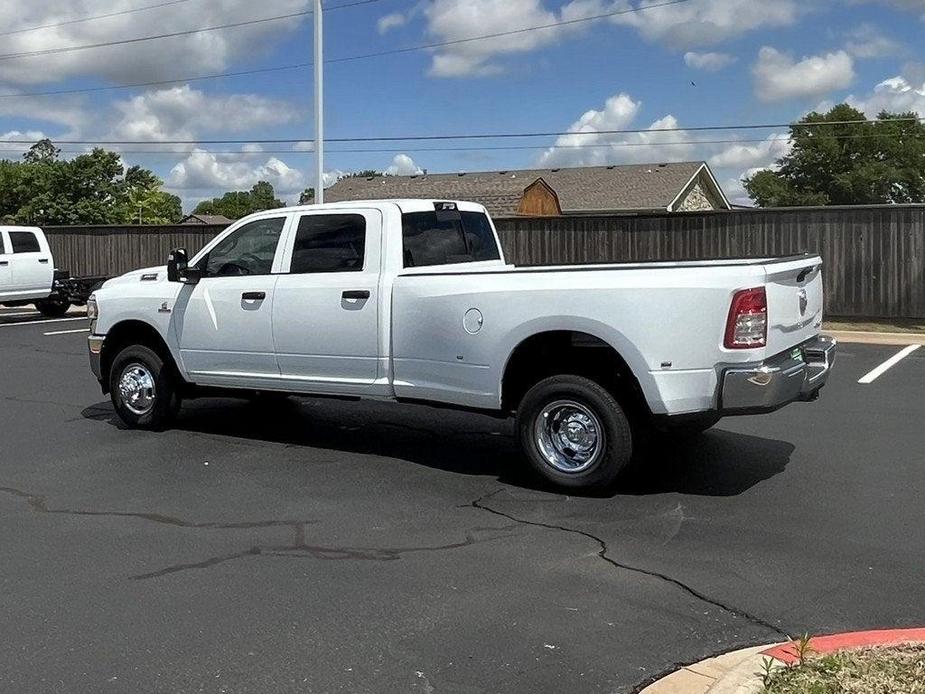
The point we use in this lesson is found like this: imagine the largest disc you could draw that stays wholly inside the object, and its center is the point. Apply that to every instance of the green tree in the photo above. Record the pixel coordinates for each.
(847, 163)
(240, 203)
(91, 188)
(43, 151)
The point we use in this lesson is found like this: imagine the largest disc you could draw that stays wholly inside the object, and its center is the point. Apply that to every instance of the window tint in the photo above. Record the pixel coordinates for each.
(329, 243)
(431, 241)
(24, 242)
(247, 251)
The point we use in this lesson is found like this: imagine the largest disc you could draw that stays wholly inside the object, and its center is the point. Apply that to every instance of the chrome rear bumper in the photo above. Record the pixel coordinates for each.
(793, 376)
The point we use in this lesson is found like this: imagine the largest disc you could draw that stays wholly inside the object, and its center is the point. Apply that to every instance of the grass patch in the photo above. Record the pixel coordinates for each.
(884, 326)
(894, 670)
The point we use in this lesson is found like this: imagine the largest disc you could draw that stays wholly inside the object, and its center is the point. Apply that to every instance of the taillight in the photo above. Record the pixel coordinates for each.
(747, 326)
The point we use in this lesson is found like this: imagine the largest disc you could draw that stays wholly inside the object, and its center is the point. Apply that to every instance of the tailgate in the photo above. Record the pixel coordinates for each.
(794, 289)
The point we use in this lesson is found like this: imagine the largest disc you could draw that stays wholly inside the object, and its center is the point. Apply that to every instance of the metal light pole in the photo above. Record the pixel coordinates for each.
(319, 104)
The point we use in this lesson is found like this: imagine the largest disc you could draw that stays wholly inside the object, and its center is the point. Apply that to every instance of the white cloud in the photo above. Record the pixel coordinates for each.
(452, 20)
(403, 165)
(711, 62)
(204, 170)
(706, 22)
(59, 110)
(391, 21)
(778, 76)
(693, 23)
(866, 41)
(181, 113)
(304, 146)
(896, 95)
(143, 61)
(761, 154)
(662, 141)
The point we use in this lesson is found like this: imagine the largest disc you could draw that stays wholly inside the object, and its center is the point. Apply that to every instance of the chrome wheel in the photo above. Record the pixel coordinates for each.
(569, 436)
(136, 389)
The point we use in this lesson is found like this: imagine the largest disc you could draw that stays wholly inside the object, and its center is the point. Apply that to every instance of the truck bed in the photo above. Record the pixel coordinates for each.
(666, 319)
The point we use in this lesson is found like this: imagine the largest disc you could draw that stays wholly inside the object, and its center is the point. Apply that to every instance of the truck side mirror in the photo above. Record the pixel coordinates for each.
(177, 262)
(178, 269)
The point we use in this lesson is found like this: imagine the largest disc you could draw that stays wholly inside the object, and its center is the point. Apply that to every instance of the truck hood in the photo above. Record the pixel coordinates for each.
(148, 275)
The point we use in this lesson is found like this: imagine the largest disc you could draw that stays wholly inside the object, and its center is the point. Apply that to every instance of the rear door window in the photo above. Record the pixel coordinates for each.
(429, 240)
(329, 243)
(24, 242)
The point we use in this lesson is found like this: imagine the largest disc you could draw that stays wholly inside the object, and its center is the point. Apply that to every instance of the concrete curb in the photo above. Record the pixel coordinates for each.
(874, 338)
(738, 672)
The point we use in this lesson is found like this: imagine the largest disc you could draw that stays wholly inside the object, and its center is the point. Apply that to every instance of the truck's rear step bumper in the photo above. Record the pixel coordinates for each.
(795, 375)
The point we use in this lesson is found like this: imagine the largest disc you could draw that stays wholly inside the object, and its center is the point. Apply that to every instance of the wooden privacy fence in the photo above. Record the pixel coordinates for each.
(874, 256)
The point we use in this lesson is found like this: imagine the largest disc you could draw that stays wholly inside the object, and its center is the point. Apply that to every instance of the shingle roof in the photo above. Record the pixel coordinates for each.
(206, 219)
(634, 187)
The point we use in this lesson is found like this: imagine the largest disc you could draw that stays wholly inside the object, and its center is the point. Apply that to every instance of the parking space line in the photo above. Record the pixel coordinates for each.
(68, 332)
(888, 364)
(40, 322)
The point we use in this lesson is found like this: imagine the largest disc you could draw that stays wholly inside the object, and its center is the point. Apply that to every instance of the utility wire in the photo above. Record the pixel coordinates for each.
(500, 34)
(187, 32)
(140, 39)
(450, 149)
(440, 44)
(487, 136)
(95, 17)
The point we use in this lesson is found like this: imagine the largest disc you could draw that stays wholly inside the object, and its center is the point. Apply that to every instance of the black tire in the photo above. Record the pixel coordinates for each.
(166, 399)
(613, 450)
(53, 308)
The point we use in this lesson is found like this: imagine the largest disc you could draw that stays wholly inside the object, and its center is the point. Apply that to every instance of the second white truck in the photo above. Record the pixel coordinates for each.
(28, 274)
(411, 300)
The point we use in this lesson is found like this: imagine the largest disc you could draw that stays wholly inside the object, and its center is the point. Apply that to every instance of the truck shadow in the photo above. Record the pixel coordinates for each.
(718, 463)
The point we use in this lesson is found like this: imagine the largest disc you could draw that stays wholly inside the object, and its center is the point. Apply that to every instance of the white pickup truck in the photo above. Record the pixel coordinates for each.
(28, 274)
(411, 300)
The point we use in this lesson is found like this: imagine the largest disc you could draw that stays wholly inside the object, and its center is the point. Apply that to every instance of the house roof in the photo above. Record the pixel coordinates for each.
(633, 187)
(206, 219)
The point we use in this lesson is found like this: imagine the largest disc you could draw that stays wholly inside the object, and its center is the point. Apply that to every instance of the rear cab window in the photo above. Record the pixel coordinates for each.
(445, 238)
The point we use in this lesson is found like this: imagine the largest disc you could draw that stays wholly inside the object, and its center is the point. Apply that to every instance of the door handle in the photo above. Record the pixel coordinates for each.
(356, 294)
(43, 260)
(254, 296)
(4, 263)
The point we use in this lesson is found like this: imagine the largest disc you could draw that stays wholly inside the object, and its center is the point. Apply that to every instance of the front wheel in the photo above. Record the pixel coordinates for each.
(574, 432)
(53, 308)
(143, 388)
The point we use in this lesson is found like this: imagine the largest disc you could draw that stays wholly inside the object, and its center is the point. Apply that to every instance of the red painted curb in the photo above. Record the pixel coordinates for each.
(855, 639)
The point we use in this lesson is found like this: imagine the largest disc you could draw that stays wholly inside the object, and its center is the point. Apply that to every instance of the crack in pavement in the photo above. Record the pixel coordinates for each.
(298, 549)
(325, 553)
(39, 504)
(480, 503)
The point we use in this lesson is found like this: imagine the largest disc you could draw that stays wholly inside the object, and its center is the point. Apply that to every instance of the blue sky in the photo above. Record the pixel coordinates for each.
(693, 63)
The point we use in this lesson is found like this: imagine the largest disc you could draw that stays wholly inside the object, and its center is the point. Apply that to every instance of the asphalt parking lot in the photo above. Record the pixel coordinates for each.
(325, 546)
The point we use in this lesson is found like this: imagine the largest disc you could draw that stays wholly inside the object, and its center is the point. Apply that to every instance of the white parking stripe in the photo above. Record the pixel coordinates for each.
(69, 332)
(40, 322)
(888, 364)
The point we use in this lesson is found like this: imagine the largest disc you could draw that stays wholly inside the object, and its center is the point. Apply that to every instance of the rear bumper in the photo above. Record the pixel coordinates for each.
(794, 376)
